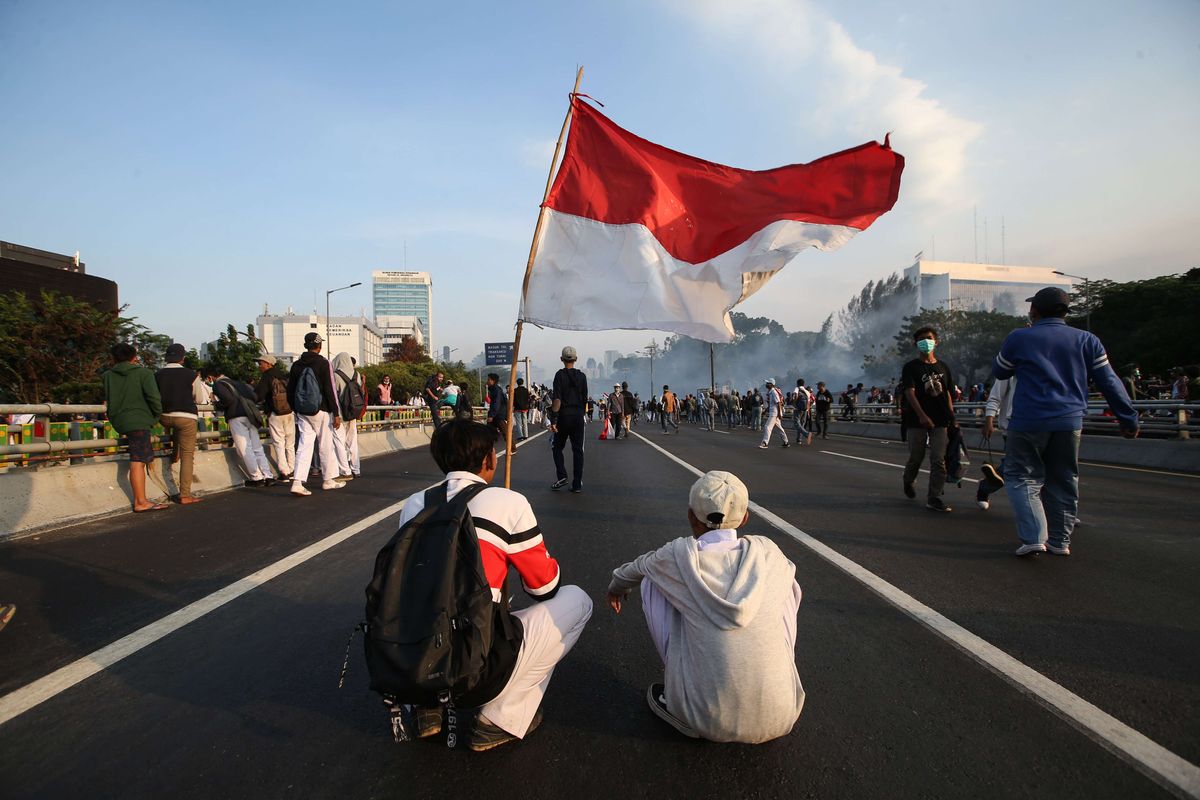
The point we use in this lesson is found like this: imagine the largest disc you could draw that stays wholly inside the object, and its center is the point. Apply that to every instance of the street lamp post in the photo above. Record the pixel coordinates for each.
(329, 346)
(1087, 297)
(650, 350)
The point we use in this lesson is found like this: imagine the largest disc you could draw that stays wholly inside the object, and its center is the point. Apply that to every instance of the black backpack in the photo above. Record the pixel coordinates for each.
(433, 633)
(352, 401)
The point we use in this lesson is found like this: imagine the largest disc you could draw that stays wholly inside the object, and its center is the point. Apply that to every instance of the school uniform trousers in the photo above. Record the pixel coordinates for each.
(282, 428)
(249, 449)
(314, 432)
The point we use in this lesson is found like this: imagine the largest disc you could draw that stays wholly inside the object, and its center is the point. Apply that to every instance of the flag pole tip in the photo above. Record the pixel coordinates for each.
(887, 140)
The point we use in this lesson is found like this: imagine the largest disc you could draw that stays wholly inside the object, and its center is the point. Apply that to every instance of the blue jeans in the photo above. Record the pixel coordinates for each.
(1041, 476)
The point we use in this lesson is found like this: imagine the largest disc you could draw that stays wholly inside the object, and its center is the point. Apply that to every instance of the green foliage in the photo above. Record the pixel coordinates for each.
(236, 354)
(408, 378)
(967, 340)
(1152, 323)
(53, 348)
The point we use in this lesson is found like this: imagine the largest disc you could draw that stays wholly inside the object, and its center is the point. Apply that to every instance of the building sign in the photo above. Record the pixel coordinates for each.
(498, 354)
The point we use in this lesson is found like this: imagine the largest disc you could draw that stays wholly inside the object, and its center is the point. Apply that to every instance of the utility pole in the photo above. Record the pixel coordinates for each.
(651, 350)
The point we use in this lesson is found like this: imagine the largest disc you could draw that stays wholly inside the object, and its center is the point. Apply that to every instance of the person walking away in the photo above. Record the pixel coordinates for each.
(710, 599)
(521, 410)
(311, 395)
(352, 403)
(462, 402)
(497, 410)
(756, 409)
(181, 390)
(432, 396)
(929, 413)
(133, 405)
(670, 408)
(774, 399)
(570, 392)
(1052, 363)
(240, 405)
(518, 669)
(801, 400)
(822, 403)
(630, 407)
(271, 393)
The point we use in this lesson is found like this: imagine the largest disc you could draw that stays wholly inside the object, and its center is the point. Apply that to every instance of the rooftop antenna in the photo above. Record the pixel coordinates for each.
(1003, 254)
(986, 259)
(406, 254)
(933, 248)
(975, 226)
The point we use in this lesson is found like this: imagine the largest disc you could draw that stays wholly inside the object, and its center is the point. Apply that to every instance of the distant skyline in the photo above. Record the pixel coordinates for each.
(214, 157)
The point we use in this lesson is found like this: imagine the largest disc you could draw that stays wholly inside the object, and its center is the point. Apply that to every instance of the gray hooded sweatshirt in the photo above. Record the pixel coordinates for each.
(730, 672)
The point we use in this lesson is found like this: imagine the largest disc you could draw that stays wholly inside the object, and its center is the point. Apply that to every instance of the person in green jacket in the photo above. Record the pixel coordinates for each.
(134, 405)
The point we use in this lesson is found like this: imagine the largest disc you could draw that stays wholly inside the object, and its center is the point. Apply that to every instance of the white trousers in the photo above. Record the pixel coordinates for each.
(551, 629)
(249, 449)
(283, 441)
(345, 445)
(313, 432)
(773, 423)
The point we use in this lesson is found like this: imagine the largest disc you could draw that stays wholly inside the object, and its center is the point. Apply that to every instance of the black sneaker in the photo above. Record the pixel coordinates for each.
(936, 504)
(561, 483)
(992, 478)
(576, 490)
(485, 735)
(909, 491)
(657, 700)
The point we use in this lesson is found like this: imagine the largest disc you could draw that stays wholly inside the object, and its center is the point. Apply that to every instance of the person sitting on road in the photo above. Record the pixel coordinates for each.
(722, 613)
(508, 534)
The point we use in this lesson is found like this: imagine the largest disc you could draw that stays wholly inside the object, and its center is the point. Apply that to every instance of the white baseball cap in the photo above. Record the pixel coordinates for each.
(719, 499)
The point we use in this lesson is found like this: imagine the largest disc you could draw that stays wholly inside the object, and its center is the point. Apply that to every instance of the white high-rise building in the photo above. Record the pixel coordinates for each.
(404, 294)
(979, 287)
(283, 335)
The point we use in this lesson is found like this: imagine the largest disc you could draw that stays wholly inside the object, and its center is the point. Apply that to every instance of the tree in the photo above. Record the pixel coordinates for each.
(236, 354)
(53, 348)
(1152, 323)
(866, 325)
(406, 350)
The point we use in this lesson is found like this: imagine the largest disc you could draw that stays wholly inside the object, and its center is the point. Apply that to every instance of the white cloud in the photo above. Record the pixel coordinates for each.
(812, 62)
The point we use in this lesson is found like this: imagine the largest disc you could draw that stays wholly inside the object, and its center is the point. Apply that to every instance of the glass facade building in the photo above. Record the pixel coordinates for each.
(404, 294)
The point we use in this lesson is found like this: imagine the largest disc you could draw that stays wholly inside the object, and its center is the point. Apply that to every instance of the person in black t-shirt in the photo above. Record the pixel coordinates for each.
(433, 395)
(928, 413)
(566, 420)
(822, 402)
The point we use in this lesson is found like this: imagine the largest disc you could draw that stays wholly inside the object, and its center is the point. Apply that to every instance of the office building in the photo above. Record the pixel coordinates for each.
(29, 271)
(404, 294)
(283, 336)
(396, 329)
(979, 287)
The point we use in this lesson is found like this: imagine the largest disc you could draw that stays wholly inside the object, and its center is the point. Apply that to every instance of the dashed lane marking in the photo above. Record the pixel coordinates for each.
(1174, 773)
(33, 694)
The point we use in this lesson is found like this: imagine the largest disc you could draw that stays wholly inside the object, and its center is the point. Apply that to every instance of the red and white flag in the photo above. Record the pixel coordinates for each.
(638, 236)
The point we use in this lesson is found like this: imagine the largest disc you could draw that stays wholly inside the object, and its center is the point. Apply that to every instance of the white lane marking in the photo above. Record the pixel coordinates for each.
(888, 464)
(1175, 774)
(39, 691)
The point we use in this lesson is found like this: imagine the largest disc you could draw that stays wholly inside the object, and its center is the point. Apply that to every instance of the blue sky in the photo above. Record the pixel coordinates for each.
(212, 157)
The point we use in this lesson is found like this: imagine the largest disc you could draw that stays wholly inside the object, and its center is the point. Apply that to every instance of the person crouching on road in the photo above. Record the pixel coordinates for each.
(722, 613)
(508, 534)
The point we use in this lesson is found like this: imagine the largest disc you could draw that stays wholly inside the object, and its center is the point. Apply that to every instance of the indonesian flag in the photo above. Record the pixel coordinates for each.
(641, 237)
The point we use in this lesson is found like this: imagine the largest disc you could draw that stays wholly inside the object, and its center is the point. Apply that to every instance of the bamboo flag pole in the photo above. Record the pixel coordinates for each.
(537, 232)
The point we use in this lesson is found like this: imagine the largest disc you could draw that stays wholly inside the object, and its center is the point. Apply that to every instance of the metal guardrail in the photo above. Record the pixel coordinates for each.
(41, 438)
(1169, 418)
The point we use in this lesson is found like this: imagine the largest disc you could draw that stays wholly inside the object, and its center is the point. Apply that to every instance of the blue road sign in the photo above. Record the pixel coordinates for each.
(498, 354)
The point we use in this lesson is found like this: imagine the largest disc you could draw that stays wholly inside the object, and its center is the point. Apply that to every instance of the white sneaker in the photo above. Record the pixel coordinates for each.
(333, 485)
(1028, 549)
(762, 447)
(983, 504)
(299, 490)
(1058, 551)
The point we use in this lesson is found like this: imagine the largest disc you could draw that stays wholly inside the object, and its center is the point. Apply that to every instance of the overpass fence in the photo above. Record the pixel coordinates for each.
(77, 434)
(1158, 419)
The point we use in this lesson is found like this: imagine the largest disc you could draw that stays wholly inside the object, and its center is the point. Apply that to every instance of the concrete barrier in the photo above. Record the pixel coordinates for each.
(1173, 455)
(50, 497)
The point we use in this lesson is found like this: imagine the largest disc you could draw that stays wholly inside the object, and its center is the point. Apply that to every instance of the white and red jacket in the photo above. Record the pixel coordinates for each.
(508, 534)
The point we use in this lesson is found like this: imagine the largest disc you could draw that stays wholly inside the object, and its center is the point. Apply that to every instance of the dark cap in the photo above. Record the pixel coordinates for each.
(311, 338)
(1050, 299)
(175, 353)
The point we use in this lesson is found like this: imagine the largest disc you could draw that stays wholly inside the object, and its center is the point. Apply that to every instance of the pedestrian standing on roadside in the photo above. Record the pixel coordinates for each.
(182, 390)
(311, 396)
(774, 422)
(432, 394)
(352, 401)
(385, 391)
(271, 392)
(1052, 363)
(133, 405)
(929, 413)
(497, 410)
(239, 403)
(570, 393)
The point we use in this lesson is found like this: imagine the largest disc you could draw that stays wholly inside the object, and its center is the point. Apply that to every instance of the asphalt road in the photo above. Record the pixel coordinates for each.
(243, 700)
